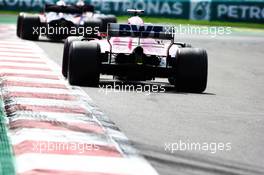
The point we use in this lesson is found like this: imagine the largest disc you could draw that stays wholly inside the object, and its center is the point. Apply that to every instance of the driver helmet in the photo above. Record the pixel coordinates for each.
(61, 3)
(80, 3)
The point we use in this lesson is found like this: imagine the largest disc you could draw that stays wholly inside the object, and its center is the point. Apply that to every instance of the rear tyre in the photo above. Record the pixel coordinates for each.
(84, 63)
(108, 19)
(65, 58)
(111, 19)
(28, 24)
(19, 21)
(92, 26)
(105, 20)
(191, 70)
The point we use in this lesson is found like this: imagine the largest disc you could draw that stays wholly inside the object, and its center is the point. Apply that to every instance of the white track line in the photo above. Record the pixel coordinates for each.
(128, 166)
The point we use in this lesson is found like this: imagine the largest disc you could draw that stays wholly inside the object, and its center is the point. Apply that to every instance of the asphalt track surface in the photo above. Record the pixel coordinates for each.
(230, 111)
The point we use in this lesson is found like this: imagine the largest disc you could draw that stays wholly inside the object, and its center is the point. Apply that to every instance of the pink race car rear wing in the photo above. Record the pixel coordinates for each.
(140, 31)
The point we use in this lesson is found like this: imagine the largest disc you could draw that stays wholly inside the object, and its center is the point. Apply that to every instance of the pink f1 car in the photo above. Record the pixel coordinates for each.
(135, 51)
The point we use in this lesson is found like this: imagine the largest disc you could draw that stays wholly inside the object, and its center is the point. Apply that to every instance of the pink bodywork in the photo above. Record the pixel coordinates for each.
(127, 44)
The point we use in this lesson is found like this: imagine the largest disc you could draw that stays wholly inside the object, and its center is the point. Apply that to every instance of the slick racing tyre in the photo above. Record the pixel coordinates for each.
(18, 28)
(105, 20)
(65, 58)
(191, 70)
(111, 19)
(108, 19)
(28, 24)
(93, 26)
(84, 64)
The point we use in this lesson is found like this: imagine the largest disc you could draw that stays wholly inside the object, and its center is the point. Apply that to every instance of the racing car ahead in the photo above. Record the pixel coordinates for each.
(58, 21)
(138, 52)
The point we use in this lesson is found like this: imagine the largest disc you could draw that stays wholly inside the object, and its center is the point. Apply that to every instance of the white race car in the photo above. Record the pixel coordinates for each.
(60, 21)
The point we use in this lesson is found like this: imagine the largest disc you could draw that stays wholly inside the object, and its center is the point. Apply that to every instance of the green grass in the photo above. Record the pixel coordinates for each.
(7, 12)
(6, 153)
